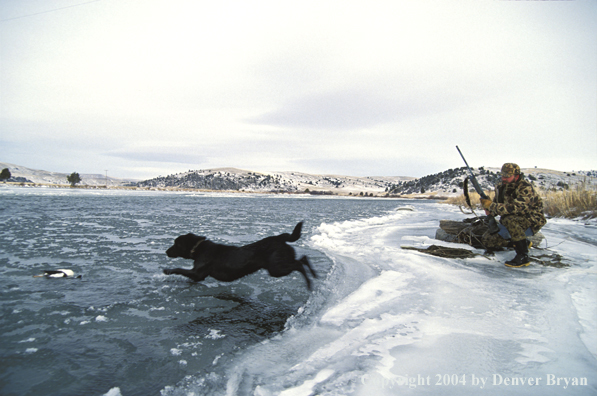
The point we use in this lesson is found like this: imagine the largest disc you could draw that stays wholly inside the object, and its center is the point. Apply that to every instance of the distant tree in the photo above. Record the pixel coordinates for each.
(73, 179)
(5, 174)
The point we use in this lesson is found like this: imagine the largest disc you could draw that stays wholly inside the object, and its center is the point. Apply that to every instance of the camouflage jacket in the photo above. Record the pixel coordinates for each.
(519, 198)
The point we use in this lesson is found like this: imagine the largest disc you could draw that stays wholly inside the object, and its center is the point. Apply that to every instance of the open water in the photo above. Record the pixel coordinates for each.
(124, 324)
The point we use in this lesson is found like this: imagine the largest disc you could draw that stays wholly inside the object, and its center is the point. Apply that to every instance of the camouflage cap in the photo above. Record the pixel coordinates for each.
(510, 169)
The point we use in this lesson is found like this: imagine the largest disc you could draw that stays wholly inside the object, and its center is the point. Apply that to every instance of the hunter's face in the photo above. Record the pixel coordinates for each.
(508, 180)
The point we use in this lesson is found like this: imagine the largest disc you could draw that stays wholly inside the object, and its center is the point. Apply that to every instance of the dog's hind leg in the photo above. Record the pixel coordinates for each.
(283, 269)
(307, 264)
(301, 269)
(197, 276)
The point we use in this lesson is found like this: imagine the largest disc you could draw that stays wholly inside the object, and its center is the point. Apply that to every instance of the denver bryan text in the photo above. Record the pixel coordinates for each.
(549, 380)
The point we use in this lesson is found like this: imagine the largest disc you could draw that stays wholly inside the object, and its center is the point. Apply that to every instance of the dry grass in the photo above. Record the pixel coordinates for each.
(475, 200)
(580, 202)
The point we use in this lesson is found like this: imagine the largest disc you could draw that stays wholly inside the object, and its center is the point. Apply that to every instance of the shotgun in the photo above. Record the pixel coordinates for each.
(492, 223)
(473, 178)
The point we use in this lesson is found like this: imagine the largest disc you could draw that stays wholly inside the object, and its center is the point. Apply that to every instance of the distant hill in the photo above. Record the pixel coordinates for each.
(21, 174)
(442, 184)
(294, 182)
(447, 183)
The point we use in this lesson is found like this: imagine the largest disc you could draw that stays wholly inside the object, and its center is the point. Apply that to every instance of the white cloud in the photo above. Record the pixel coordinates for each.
(317, 85)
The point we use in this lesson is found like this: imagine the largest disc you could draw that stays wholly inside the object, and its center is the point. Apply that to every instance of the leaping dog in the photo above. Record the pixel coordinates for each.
(228, 263)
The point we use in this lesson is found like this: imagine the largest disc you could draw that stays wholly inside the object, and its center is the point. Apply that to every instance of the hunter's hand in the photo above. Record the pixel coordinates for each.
(486, 203)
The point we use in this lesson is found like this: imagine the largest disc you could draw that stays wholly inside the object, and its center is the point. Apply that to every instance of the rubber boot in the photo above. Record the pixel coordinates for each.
(510, 244)
(522, 255)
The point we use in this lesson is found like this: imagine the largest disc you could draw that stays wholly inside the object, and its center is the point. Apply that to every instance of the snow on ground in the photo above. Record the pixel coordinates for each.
(400, 321)
(45, 177)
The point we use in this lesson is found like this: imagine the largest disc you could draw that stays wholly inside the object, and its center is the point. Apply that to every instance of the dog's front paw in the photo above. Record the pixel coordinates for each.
(168, 271)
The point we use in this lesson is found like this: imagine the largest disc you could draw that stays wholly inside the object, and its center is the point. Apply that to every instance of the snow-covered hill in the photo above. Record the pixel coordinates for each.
(442, 184)
(248, 181)
(21, 174)
(451, 182)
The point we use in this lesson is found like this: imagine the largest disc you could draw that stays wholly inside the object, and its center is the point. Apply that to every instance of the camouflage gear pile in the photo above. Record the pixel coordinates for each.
(473, 234)
(519, 208)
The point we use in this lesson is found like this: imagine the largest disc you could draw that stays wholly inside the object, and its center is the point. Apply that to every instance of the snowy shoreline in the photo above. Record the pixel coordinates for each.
(429, 196)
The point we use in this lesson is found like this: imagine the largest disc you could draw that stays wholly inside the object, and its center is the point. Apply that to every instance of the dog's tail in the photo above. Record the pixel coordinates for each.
(296, 234)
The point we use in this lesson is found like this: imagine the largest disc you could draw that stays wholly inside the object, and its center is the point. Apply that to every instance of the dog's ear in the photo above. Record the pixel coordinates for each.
(198, 240)
(189, 240)
(184, 240)
(194, 238)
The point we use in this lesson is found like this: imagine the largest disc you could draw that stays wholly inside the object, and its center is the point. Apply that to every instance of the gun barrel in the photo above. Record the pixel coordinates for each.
(466, 163)
(473, 178)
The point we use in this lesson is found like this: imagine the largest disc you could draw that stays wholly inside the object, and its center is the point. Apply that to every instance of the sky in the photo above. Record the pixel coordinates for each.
(147, 88)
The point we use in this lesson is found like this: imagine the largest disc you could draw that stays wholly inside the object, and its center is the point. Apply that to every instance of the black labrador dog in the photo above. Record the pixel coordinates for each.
(227, 263)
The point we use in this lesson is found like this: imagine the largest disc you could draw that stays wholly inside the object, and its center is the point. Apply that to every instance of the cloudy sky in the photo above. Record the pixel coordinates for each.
(143, 88)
